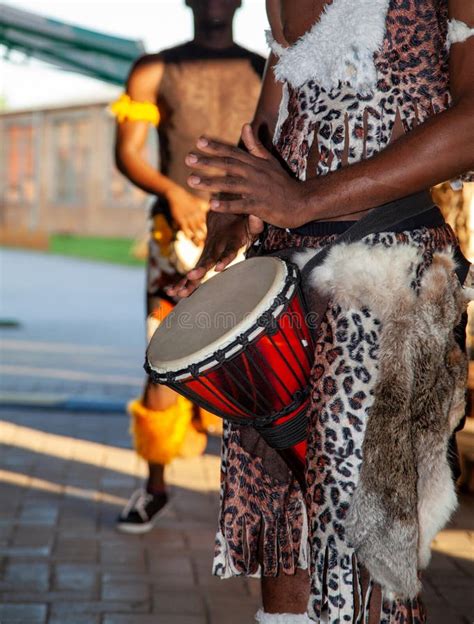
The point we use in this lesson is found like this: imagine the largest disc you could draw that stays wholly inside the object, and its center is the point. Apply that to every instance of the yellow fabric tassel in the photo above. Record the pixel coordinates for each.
(210, 422)
(126, 109)
(163, 234)
(194, 443)
(162, 435)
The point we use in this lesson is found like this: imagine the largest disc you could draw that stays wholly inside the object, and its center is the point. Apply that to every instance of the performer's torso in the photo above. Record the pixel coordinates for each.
(204, 92)
(350, 92)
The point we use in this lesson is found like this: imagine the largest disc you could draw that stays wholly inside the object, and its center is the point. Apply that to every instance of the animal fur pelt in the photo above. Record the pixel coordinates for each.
(339, 48)
(405, 494)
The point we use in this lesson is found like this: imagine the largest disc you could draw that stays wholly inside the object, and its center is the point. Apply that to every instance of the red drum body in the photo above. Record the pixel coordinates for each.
(241, 347)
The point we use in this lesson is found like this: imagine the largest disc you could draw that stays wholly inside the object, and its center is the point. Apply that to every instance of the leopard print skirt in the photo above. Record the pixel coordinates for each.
(265, 525)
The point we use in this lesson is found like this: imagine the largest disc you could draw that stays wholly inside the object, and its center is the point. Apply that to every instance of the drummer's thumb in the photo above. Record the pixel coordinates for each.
(253, 145)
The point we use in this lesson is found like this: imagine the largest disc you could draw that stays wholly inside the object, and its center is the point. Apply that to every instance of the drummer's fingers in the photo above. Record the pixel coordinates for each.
(201, 234)
(187, 229)
(253, 144)
(230, 165)
(197, 273)
(235, 206)
(195, 227)
(217, 148)
(198, 232)
(255, 226)
(188, 288)
(219, 184)
(184, 287)
(225, 261)
(173, 289)
(207, 260)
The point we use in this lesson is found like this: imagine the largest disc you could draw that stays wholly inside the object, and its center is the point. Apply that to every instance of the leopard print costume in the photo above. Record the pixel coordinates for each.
(265, 525)
(255, 506)
(412, 72)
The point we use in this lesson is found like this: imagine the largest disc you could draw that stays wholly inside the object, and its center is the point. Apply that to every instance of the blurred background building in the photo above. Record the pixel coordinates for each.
(57, 76)
(57, 175)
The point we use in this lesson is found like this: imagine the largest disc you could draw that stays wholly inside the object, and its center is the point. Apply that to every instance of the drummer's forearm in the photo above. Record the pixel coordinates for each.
(141, 173)
(412, 163)
(437, 150)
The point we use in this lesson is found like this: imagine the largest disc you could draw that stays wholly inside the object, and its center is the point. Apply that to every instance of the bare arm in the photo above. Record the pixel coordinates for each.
(188, 211)
(131, 136)
(266, 114)
(273, 8)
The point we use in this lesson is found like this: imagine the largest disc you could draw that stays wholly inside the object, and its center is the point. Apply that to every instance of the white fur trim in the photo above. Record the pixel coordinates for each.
(339, 48)
(223, 566)
(274, 46)
(281, 618)
(458, 32)
(303, 557)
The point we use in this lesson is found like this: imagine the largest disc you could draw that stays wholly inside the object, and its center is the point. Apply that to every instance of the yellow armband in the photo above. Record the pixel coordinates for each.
(126, 109)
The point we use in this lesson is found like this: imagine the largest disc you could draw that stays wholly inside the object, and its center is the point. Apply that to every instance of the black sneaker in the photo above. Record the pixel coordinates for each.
(139, 514)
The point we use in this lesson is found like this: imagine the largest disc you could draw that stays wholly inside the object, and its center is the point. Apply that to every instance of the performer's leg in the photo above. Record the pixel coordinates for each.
(161, 421)
(262, 526)
(161, 425)
(162, 429)
(157, 398)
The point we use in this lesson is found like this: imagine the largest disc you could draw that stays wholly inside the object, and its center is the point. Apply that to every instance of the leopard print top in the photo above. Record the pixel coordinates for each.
(343, 124)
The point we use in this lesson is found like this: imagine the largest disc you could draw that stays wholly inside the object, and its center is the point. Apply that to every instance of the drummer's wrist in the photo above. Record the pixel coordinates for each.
(171, 190)
(318, 199)
(306, 205)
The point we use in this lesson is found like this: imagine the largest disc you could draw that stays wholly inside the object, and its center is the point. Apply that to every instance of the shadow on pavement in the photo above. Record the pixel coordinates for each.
(64, 479)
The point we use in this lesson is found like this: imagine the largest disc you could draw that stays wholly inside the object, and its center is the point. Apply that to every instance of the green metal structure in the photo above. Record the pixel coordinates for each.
(66, 46)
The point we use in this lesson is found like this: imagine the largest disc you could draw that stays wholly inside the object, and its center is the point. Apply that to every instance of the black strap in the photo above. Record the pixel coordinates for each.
(379, 219)
(287, 434)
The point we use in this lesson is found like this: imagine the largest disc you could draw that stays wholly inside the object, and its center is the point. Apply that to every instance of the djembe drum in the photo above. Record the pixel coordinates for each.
(241, 348)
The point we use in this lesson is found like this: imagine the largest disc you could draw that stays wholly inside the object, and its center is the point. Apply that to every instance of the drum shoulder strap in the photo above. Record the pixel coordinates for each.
(379, 219)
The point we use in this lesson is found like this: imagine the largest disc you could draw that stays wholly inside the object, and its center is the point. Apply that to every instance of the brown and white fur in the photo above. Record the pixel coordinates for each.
(406, 493)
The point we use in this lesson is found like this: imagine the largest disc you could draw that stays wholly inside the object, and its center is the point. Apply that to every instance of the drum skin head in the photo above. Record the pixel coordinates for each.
(216, 313)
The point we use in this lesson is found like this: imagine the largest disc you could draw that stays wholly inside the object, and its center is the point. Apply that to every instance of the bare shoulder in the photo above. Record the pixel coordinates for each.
(145, 77)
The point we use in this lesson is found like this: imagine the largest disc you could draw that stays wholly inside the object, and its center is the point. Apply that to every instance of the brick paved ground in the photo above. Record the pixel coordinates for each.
(64, 477)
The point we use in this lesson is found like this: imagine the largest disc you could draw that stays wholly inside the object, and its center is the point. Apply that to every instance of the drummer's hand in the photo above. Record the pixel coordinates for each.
(226, 235)
(266, 190)
(188, 212)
